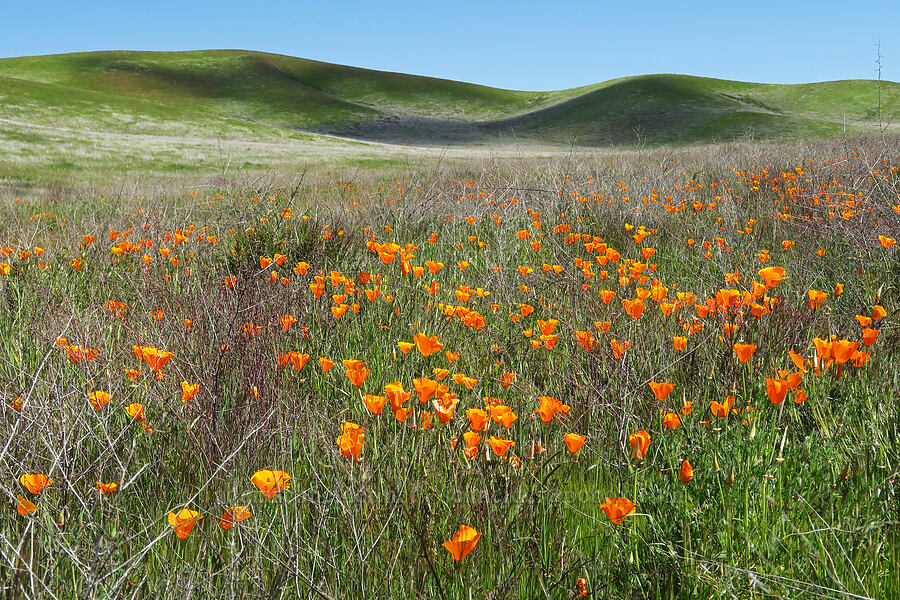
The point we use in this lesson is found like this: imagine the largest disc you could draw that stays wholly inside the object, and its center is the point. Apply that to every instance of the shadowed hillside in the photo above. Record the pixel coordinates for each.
(236, 93)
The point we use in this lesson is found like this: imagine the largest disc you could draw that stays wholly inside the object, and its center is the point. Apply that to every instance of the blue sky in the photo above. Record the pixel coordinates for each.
(518, 45)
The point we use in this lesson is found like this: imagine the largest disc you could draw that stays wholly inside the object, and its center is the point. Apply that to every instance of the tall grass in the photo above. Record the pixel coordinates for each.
(789, 500)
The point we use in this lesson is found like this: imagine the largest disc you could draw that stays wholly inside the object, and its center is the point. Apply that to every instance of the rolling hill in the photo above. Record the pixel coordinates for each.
(165, 110)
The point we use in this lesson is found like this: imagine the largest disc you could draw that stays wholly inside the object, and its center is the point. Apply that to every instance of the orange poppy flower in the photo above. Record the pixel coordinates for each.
(477, 418)
(325, 363)
(679, 342)
(286, 322)
(499, 445)
(351, 440)
(878, 312)
(816, 298)
(425, 388)
(634, 308)
(573, 442)
(35, 482)
(462, 543)
(156, 358)
(98, 399)
(617, 509)
(234, 515)
(445, 409)
(107, 489)
(375, 404)
(396, 394)
(639, 441)
(427, 345)
(548, 408)
(188, 391)
(744, 351)
(619, 348)
(23, 506)
(184, 522)
(772, 276)
(465, 381)
(271, 482)
(356, 371)
(661, 389)
(777, 389)
(869, 336)
(721, 410)
(686, 473)
(671, 420)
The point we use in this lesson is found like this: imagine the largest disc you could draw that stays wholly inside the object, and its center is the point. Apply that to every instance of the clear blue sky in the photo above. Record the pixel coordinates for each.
(518, 45)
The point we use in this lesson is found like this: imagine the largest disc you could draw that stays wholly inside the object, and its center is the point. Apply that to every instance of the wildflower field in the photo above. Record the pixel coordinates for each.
(666, 373)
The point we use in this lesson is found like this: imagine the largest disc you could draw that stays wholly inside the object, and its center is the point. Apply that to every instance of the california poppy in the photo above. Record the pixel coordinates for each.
(234, 515)
(107, 489)
(686, 473)
(617, 509)
(573, 442)
(772, 276)
(98, 399)
(35, 482)
(499, 445)
(23, 506)
(188, 391)
(427, 345)
(776, 389)
(477, 418)
(356, 371)
(351, 440)
(744, 351)
(639, 441)
(671, 420)
(462, 543)
(661, 389)
(184, 522)
(271, 482)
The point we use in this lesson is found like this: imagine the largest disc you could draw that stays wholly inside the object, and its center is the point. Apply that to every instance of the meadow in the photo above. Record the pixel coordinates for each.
(667, 373)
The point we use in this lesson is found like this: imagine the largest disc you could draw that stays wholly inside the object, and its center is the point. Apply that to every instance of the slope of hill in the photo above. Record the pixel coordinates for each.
(54, 108)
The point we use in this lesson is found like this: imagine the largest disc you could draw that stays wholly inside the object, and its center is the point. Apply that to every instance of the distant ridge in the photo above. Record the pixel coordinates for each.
(245, 94)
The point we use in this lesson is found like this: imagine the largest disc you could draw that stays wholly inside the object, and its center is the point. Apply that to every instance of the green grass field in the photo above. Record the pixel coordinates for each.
(509, 263)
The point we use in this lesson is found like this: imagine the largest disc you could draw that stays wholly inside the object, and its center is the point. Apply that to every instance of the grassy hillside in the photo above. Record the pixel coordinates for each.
(205, 109)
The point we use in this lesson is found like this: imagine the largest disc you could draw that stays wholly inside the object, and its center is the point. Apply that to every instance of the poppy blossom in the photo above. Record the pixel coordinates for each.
(425, 388)
(107, 489)
(661, 389)
(233, 516)
(350, 442)
(639, 441)
(776, 389)
(427, 345)
(772, 276)
(477, 418)
(499, 445)
(617, 509)
(156, 358)
(686, 473)
(188, 391)
(271, 482)
(98, 399)
(573, 442)
(462, 543)
(671, 420)
(744, 351)
(35, 482)
(356, 371)
(23, 506)
(184, 522)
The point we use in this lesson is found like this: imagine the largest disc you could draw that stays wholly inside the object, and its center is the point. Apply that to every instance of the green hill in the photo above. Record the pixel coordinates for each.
(266, 98)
